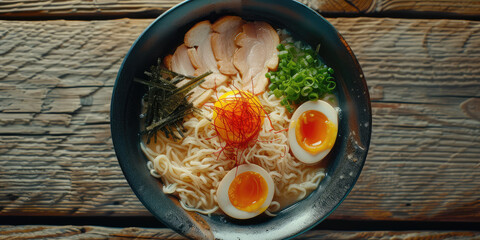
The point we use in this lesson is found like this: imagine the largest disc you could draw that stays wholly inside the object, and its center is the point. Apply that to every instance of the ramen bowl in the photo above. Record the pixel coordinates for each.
(348, 154)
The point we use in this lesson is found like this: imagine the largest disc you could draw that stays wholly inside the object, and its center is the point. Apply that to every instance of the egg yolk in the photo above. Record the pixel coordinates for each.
(248, 191)
(238, 117)
(314, 132)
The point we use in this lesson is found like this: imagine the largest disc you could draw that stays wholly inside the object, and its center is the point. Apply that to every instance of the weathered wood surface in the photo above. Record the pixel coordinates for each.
(56, 155)
(94, 232)
(129, 8)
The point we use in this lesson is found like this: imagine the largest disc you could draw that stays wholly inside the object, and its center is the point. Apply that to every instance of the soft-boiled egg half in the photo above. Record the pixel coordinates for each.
(313, 131)
(245, 192)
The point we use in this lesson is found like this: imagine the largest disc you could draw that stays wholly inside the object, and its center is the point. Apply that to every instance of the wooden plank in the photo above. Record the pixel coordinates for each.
(95, 232)
(16, 9)
(73, 8)
(85, 232)
(56, 155)
(425, 150)
(340, 6)
(439, 8)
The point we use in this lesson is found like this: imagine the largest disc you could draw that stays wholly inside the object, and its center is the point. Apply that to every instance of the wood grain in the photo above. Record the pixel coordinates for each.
(74, 8)
(56, 155)
(340, 6)
(441, 8)
(94, 232)
(17, 9)
(425, 151)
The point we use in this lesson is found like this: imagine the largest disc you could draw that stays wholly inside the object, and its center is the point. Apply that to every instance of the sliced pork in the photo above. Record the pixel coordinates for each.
(257, 53)
(198, 41)
(223, 42)
(179, 62)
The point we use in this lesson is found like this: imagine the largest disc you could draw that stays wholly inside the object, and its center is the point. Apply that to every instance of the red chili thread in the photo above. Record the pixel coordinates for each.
(238, 122)
(279, 131)
(245, 117)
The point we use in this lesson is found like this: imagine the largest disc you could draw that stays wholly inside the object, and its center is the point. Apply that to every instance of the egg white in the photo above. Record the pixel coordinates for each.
(297, 150)
(222, 192)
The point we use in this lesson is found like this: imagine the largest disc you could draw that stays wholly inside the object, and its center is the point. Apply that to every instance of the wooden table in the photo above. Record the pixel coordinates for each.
(58, 64)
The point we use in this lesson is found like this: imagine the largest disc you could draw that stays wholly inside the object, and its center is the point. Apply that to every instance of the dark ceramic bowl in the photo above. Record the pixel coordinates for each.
(349, 152)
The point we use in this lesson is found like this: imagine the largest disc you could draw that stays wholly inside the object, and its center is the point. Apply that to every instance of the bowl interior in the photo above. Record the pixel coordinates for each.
(349, 152)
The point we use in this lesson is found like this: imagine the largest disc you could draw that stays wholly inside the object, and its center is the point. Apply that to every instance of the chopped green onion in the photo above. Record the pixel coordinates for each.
(278, 93)
(301, 76)
(268, 75)
(297, 77)
(306, 90)
(331, 85)
(290, 91)
(313, 96)
(272, 86)
(309, 58)
(283, 54)
(291, 65)
(309, 81)
(293, 97)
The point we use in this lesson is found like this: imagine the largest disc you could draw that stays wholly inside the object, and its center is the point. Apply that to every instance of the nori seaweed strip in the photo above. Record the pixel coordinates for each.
(149, 113)
(166, 104)
(171, 73)
(177, 79)
(193, 83)
(171, 119)
(180, 130)
(174, 102)
(155, 85)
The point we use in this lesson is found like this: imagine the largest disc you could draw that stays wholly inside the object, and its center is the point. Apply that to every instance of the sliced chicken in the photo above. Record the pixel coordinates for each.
(198, 41)
(223, 42)
(179, 62)
(257, 53)
(167, 61)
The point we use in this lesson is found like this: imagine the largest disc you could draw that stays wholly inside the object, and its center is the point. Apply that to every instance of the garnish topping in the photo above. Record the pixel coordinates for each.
(165, 102)
(301, 76)
(238, 118)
